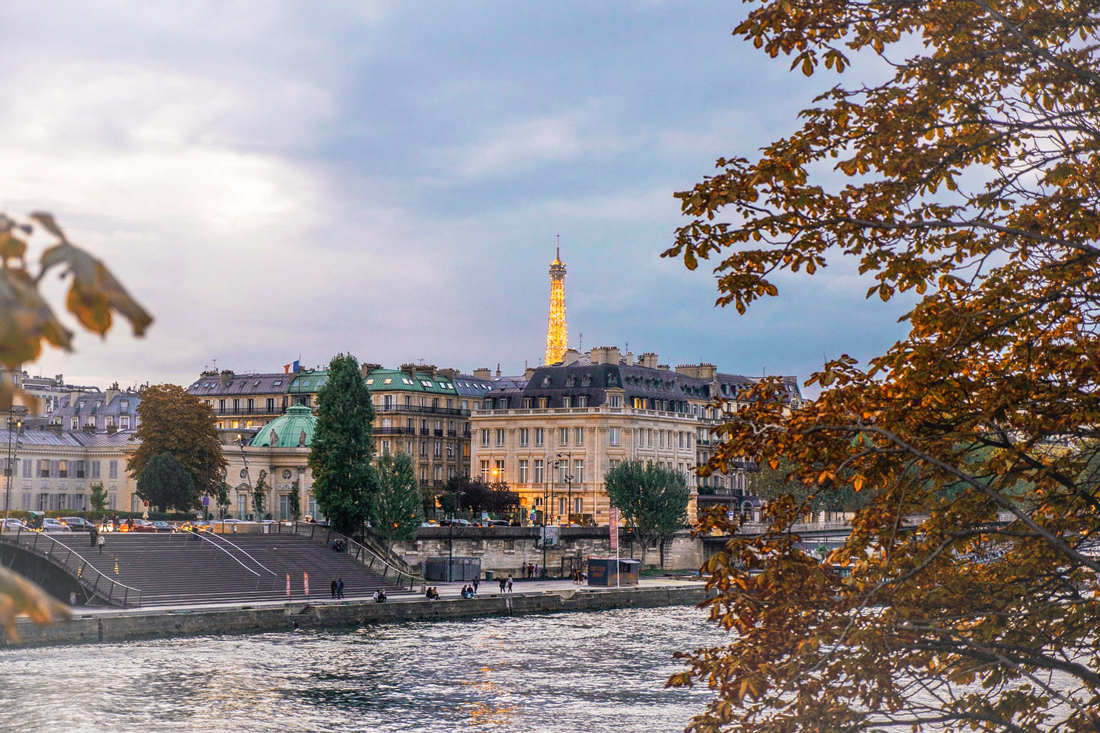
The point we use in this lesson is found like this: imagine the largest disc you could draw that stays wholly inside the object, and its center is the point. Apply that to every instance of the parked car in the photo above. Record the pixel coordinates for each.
(77, 524)
(160, 526)
(12, 525)
(143, 525)
(458, 522)
(49, 524)
(495, 523)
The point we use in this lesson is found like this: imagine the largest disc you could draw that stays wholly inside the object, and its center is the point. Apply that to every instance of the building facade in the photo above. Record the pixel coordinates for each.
(553, 434)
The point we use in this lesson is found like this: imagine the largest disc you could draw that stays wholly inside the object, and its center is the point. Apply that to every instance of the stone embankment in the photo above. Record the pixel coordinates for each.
(114, 625)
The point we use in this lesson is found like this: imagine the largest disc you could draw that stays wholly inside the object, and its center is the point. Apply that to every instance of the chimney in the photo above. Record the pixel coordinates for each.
(571, 356)
(498, 368)
(449, 373)
(648, 360)
(528, 373)
(482, 373)
(112, 392)
(226, 375)
(365, 369)
(628, 358)
(611, 355)
(410, 369)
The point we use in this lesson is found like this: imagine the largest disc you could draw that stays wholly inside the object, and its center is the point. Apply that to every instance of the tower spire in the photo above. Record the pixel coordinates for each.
(556, 333)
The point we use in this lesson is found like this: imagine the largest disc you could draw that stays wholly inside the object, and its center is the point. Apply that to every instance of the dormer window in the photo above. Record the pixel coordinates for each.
(586, 380)
(546, 381)
(570, 381)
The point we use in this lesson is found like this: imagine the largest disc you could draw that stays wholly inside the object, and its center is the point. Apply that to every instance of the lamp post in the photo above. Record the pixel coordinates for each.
(451, 540)
(9, 470)
(568, 486)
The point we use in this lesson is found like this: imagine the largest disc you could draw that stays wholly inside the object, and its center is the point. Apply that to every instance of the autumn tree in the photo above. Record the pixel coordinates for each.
(176, 422)
(650, 498)
(396, 511)
(164, 482)
(26, 320)
(340, 454)
(966, 177)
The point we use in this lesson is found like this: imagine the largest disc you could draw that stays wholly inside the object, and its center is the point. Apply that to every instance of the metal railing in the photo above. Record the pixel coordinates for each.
(417, 408)
(86, 575)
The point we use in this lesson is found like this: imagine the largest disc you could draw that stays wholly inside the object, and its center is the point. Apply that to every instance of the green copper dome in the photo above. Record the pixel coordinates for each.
(294, 429)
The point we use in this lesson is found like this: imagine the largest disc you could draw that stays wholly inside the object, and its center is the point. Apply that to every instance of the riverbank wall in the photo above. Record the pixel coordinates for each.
(113, 626)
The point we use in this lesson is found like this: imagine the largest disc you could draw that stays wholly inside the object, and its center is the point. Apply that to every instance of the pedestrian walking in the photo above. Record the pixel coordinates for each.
(509, 583)
(477, 582)
(340, 588)
(333, 587)
(93, 535)
(101, 541)
(537, 571)
(503, 582)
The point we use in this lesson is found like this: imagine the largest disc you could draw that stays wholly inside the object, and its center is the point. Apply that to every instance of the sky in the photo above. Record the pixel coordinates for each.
(276, 181)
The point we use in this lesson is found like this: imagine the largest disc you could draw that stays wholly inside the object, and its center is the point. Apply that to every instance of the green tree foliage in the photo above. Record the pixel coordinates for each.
(173, 421)
(651, 498)
(966, 177)
(98, 497)
(294, 498)
(221, 497)
(165, 483)
(477, 495)
(396, 511)
(340, 455)
(259, 497)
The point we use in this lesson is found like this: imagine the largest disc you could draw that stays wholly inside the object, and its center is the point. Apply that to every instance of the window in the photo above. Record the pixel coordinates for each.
(566, 401)
(484, 470)
(578, 436)
(76, 424)
(112, 469)
(424, 448)
(78, 469)
(615, 401)
(578, 505)
(437, 473)
(28, 468)
(613, 436)
(409, 447)
(450, 450)
(500, 436)
(269, 404)
(528, 403)
(485, 437)
(124, 422)
(542, 403)
(641, 437)
(680, 437)
(436, 449)
(522, 471)
(385, 447)
(578, 472)
(537, 478)
(538, 437)
(44, 468)
(498, 471)
(524, 433)
(582, 401)
(563, 436)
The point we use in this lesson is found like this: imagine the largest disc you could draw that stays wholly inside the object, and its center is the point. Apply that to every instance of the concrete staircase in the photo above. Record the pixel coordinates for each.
(184, 569)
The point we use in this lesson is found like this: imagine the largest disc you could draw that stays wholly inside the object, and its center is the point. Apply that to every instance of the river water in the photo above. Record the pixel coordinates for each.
(602, 671)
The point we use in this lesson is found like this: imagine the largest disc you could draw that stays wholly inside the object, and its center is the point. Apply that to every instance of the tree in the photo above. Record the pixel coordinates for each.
(477, 495)
(164, 482)
(221, 498)
(98, 498)
(294, 499)
(966, 178)
(173, 421)
(650, 497)
(26, 320)
(396, 511)
(259, 496)
(341, 451)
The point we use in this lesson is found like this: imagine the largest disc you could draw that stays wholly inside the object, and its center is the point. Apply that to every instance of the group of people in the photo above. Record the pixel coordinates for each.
(579, 577)
(97, 539)
(337, 588)
(432, 593)
(506, 584)
(531, 570)
(339, 545)
(379, 596)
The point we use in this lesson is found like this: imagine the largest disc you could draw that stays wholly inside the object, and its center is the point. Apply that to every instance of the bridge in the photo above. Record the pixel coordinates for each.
(194, 568)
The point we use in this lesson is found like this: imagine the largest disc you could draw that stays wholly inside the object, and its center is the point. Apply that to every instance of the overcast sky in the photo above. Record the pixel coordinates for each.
(300, 179)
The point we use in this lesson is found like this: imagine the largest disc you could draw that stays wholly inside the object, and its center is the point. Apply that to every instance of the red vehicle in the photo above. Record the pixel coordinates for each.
(143, 525)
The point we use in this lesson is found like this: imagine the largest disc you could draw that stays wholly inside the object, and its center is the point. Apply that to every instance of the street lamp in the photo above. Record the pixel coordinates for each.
(568, 487)
(451, 540)
(9, 470)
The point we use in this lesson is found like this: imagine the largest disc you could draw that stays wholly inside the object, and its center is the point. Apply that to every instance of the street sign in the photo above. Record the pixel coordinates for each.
(145, 504)
(206, 501)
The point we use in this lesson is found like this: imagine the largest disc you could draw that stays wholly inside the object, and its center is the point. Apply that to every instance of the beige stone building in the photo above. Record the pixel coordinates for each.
(553, 434)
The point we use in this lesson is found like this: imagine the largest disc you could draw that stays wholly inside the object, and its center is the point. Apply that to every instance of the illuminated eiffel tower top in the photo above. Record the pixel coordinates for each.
(556, 336)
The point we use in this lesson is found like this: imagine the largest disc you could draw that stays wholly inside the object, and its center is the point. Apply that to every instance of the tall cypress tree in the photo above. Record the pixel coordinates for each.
(344, 482)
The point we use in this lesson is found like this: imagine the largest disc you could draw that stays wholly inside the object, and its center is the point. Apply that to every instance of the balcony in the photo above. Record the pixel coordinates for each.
(245, 411)
(394, 431)
(423, 410)
(452, 433)
(425, 431)
(439, 432)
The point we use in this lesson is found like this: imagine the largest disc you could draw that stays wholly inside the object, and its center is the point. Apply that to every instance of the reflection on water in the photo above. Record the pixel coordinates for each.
(563, 672)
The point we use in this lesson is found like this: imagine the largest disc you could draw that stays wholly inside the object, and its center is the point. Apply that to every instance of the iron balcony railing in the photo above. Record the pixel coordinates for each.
(416, 408)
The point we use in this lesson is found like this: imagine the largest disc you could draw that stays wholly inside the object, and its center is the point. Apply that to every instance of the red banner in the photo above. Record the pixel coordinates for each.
(613, 527)
(305, 576)
(288, 585)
